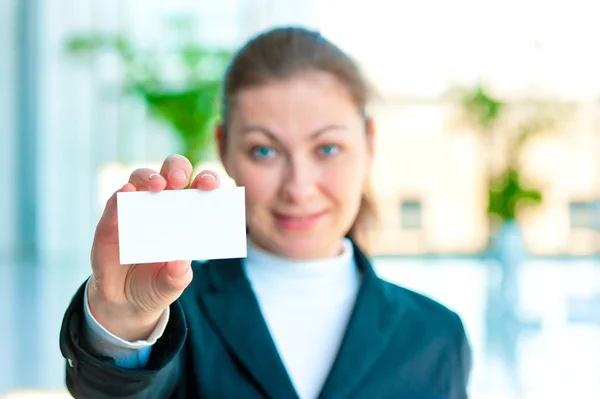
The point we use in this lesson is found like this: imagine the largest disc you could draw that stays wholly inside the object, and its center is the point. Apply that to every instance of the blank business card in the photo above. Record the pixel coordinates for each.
(181, 225)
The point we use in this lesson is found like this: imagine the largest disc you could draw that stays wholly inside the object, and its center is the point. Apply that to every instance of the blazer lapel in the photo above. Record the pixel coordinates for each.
(233, 309)
(372, 325)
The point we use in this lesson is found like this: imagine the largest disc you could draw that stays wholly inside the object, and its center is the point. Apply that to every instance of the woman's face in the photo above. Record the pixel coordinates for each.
(301, 150)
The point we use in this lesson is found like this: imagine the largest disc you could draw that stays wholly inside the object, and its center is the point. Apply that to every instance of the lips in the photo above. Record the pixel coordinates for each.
(303, 221)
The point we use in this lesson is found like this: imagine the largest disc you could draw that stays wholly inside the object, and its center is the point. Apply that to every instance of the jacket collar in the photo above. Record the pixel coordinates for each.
(234, 311)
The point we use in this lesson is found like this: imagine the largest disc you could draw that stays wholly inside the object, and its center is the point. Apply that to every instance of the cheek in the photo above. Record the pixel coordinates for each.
(345, 182)
(258, 193)
(260, 184)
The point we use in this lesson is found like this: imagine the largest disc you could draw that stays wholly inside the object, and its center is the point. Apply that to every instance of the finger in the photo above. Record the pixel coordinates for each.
(147, 180)
(206, 180)
(174, 278)
(176, 170)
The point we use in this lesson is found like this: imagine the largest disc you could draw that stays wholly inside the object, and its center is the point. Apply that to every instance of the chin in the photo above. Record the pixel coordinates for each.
(308, 247)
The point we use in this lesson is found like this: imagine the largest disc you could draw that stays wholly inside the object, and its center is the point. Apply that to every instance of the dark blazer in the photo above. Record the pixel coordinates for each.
(398, 344)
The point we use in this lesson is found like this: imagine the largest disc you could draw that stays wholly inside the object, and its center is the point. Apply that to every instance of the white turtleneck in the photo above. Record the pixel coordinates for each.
(306, 305)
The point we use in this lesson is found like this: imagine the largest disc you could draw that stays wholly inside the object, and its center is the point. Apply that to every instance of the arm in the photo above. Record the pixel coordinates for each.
(92, 376)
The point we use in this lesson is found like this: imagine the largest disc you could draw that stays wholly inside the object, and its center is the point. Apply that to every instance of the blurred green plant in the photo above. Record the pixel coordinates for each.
(188, 104)
(507, 189)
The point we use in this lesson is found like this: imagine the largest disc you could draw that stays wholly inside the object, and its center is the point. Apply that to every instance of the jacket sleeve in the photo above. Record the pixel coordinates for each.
(89, 375)
(133, 355)
(462, 362)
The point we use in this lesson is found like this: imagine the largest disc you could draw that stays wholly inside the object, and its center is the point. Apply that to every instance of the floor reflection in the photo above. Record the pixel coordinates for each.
(539, 349)
(33, 298)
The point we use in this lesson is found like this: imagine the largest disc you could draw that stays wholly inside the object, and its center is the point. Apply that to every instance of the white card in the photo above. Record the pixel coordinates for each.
(181, 225)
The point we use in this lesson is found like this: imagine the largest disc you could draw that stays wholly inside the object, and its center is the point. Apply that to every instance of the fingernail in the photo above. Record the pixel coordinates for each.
(208, 176)
(153, 176)
(177, 174)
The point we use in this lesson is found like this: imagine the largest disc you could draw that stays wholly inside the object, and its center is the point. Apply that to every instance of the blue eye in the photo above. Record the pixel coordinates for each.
(329, 149)
(262, 152)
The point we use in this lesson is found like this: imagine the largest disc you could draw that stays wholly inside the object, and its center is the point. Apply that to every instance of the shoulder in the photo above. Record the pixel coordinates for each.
(435, 326)
(436, 333)
(425, 312)
(418, 309)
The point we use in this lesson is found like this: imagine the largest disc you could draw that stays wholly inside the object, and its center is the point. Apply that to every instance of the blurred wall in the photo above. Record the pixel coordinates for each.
(7, 124)
(262, 14)
(7, 193)
(67, 145)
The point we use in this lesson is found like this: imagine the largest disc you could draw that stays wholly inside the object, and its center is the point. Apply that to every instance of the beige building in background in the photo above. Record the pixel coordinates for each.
(430, 183)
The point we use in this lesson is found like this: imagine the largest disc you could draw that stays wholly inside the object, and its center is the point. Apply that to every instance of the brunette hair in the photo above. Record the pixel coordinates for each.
(284, 52)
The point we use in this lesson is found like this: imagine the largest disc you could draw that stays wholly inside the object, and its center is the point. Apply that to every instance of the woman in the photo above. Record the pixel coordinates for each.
(304, 315)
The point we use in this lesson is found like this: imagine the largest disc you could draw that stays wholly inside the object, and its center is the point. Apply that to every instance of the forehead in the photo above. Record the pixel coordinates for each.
(302, 103)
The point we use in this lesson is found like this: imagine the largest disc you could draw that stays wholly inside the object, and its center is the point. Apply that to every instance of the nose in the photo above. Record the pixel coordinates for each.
(299, 181)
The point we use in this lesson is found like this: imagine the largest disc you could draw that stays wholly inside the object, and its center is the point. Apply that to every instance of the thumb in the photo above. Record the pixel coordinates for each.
(174, 278)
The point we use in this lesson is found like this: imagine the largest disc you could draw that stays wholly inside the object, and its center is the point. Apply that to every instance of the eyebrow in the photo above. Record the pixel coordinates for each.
(272, 136)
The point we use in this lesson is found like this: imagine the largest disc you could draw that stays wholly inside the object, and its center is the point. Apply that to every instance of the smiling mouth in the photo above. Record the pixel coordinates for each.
(298, 222)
